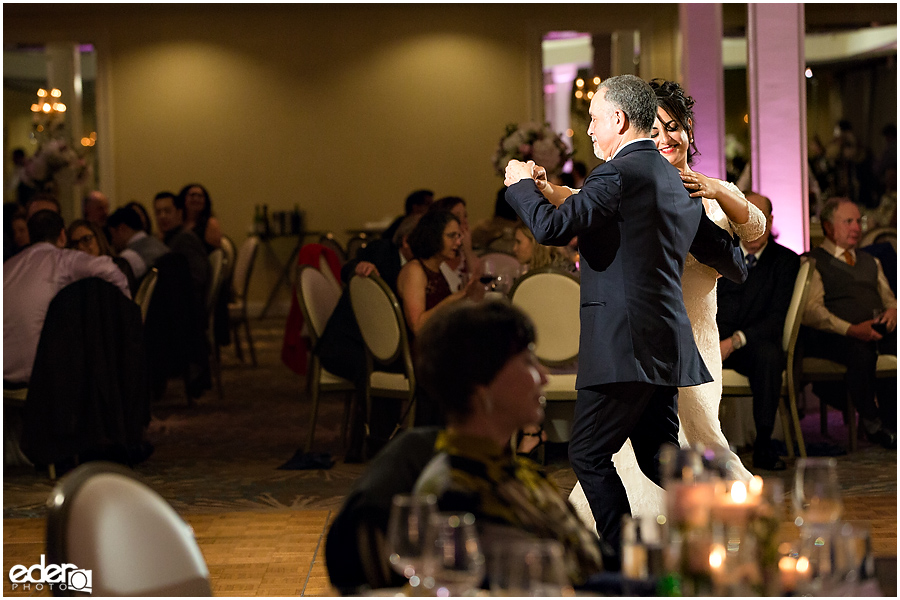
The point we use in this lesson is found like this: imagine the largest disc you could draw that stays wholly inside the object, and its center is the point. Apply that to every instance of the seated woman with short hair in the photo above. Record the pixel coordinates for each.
(477, 362)
(421, 286)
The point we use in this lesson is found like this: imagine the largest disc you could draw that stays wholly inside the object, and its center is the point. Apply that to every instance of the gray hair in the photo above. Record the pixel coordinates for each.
(831, 205)
(633, 96)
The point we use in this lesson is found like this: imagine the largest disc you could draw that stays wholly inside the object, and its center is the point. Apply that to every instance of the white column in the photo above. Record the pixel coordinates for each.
(777, 94)
(703, 78)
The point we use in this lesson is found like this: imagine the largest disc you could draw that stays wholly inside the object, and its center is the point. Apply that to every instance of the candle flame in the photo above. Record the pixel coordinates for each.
(717, 557)
(802, 564)
(787, 563)
(739, 492)
(756, 485)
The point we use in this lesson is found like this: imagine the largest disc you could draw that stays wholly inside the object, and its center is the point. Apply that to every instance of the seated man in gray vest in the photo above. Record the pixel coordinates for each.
(131, 241)
(846, 293)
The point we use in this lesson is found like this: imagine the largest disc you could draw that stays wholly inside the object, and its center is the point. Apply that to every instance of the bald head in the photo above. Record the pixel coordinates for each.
(765, 205)
(96, 208)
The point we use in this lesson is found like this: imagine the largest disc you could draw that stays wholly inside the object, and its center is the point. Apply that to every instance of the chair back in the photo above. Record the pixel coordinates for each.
(355, 244)
(878, 235)
(325, 268)
(328, 240)
(216, 277)
(798, 303)
(145, 291)
(102, 518)
(499, 263)
(317, 298)
(379, 317)
(230, 255)
(552, 299)
(243, 266)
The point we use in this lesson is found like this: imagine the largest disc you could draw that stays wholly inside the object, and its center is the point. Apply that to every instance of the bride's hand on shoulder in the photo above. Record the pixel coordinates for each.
(701, 186)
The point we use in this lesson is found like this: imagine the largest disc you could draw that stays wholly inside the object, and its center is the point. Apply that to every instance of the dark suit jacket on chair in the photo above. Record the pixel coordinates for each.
(634, 326)
(758, 306)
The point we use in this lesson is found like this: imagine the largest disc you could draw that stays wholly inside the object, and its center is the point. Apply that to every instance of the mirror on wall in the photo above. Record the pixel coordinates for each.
(50, 122)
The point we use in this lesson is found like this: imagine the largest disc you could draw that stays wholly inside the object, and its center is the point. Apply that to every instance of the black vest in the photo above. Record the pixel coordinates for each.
(851, 293)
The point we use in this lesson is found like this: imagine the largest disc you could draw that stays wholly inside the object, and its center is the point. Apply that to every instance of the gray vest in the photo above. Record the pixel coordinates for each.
(851, 293)
(149, 248)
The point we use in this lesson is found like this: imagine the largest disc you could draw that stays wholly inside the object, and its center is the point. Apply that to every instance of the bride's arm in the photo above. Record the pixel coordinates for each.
(748, 221)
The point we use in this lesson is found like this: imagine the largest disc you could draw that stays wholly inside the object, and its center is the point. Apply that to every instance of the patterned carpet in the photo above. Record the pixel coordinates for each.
(222, 456)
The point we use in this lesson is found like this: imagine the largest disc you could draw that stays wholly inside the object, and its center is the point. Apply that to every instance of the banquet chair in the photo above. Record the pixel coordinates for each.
(237, 309)
(328, 240)
(230, 253)
(355, 244)
(104, 520)
(317, 298)
(144, 293)
(822, 369)
(325, 268)
(500, 264)
(217, 278)
(735, 384)
(383, 330)
(552, 299)
(878, 235)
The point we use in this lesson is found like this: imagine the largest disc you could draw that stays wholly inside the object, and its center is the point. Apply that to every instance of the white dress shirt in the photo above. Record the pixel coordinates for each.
(816, 315)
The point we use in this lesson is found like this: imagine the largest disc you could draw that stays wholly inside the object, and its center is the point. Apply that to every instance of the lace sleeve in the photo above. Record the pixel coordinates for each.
(755, 225)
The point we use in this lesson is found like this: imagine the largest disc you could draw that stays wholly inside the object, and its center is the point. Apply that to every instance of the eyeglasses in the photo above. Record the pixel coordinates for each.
(83, 240)
(453, 236)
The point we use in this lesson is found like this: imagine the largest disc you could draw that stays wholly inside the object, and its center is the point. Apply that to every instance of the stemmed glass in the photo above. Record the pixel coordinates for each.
(533, 567)
(817, 493)
(458, 560)
(410, 538)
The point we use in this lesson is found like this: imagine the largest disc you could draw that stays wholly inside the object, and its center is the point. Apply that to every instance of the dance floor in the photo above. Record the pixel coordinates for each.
(262, 530)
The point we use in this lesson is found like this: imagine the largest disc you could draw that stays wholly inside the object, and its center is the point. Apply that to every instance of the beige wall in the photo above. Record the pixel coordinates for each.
(341, 109)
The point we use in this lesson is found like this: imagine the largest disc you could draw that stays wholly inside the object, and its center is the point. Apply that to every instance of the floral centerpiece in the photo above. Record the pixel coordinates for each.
(531, 142)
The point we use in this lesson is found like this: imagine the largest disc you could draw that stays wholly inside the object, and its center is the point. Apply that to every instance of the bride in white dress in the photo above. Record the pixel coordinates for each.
(698, 406)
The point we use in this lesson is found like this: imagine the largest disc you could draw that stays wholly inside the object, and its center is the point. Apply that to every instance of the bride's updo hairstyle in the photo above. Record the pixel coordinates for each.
(670, 97)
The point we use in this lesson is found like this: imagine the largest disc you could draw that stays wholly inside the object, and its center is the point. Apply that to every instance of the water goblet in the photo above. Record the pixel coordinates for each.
(817, 493)
(410, 539)
(458, 563)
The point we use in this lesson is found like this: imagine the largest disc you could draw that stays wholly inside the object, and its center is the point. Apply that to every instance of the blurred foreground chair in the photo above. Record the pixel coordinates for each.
(317, 298)
(552, 299)
(243, 269)
(735, 384)
(384, 334)
(125, 537)
(501, 265)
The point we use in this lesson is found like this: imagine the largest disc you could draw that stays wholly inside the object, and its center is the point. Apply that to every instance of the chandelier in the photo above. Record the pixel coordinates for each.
(49, 112)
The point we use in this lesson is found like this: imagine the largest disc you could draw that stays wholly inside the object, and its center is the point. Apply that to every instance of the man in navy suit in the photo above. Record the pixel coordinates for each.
(751, 324)
(635, 224)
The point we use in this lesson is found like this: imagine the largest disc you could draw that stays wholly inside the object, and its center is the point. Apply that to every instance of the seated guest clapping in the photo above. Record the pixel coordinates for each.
(477, 362)
(421, 286)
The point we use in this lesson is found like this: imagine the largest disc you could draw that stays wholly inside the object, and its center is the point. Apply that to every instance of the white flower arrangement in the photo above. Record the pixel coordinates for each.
(54, 158)
(531, 142)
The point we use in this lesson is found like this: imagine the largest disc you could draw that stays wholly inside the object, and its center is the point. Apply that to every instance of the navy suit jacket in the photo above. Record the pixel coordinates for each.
(635, 224)
(759, 306)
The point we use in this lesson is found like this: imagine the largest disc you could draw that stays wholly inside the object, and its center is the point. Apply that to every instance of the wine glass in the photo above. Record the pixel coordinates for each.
(458, 565)
(410, 539)
(817, 493)
(532, 567)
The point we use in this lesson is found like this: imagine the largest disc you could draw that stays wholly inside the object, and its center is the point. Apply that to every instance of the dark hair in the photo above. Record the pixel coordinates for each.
(45, 226)
(670, 97)
(427, 239)
(502, 208)
(418, 198)
(466, 345)
(102, 243)
(125, 215)
(146, 223)
(403, 230)
(632, 96)
(447, 203)
(579, 168)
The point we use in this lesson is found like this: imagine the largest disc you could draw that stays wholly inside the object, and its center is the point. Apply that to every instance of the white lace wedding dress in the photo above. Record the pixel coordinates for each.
(698, 406)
